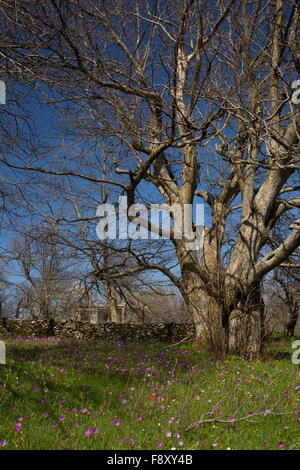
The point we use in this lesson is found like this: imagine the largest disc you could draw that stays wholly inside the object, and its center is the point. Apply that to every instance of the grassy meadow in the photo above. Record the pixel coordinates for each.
(64, 394)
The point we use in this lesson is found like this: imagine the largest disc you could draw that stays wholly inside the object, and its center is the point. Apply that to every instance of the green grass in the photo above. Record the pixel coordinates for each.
(145, 396)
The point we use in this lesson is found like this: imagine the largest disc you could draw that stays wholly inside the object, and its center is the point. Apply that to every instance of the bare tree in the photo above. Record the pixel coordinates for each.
(195, 96)
(156, 304)
(44, 267)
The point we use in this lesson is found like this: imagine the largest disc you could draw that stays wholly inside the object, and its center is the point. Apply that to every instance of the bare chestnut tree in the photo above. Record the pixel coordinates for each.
(195, 96)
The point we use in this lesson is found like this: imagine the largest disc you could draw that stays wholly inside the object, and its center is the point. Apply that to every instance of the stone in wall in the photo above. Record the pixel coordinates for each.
(165, 332)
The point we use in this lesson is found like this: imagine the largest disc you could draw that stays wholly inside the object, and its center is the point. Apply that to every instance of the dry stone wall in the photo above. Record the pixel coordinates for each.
(165, 332)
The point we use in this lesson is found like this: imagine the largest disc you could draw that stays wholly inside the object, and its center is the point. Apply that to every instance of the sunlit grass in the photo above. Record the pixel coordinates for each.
(62, 394)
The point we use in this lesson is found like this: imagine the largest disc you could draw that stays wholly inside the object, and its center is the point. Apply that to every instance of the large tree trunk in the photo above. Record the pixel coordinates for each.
(245, 327)
(228, 315)
(204, 303)
(242, 334)
(241, 331)
(207, 314)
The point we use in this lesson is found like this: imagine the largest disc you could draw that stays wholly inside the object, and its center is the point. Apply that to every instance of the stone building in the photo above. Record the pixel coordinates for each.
(98, 313)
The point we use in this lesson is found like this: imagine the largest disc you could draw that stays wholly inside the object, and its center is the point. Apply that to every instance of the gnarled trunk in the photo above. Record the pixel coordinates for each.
(243, 331)
(245, 327)
(207, 313)
(228, 315)
(206, 309)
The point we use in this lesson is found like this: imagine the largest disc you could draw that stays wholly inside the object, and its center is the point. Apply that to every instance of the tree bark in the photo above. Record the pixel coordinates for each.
(112, 303)
(111, 293)
(203, 301)
(292, 321)
(241, 334)
(207, 314)
(245, 328)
